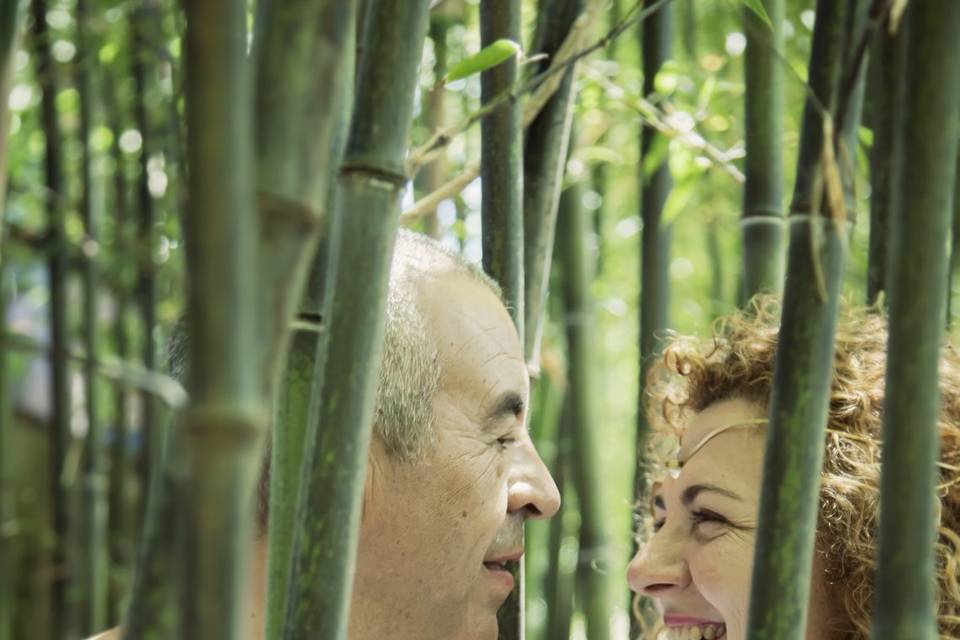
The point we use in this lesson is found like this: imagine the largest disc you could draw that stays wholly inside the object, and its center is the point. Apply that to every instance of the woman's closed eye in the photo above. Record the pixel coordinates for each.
(708, 522)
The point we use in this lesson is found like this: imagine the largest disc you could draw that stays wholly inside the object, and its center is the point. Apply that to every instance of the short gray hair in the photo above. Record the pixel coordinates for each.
(410, 367)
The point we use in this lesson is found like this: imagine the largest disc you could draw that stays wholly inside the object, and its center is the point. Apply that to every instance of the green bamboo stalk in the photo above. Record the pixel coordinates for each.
(573, 229)
(954, 271)
(223, 426)
(763, 221)
(58, 270)
(655, 239)
(906, 599)
(293, 170)
(501, 162)
(544, 161)
(96, 556)
(307, 40)
(9, 23)
(804, 365)
(850, 103)
(121, 520)
(370, 184)
(501, 172)
(886, 61)
(146, 291)
(559, 583)
(432, 176)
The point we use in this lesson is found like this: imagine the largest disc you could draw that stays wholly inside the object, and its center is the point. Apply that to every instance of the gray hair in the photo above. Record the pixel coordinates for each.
(410, 367)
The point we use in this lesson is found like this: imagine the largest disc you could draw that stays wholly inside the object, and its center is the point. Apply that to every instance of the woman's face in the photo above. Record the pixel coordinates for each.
(697, 565)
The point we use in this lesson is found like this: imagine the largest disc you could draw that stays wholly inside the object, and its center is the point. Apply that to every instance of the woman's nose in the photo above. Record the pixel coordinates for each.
(658, 567)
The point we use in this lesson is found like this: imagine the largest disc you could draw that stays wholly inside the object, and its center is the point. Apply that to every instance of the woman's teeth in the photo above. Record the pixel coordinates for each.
(694, 632)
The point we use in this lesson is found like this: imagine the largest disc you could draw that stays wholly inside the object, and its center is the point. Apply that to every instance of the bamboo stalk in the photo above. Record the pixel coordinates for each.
(298, 207)
(146, 293)
(954, 270)
(224, 423)
(9, 24)
(656, 236)
(501, 172)
(559, 583)
(501, 163)
(96, 556)
(886, 62)
(762, 223)
(573, 229)
(370, 184)
(544, 161)
(849, 114)
(906, 597)
(58, 272)
(804, 364)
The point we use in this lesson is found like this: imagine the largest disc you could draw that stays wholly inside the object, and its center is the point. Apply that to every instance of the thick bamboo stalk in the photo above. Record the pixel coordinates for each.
(370, 185)
(96, 556)
(573, 229)
(9, 23)
(804, 365)
(57, 262)
(886, 62)
(544, 161)
(501, 163)
(762, 223)
(906, 599)
(306, 40)
(292, 170)
(223, 425)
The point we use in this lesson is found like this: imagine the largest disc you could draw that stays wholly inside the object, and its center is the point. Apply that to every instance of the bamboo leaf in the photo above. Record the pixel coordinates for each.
(488, 57)
(757, 7)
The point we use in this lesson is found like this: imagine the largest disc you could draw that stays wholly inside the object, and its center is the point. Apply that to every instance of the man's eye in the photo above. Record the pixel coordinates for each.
(703, 519)
(506, 441)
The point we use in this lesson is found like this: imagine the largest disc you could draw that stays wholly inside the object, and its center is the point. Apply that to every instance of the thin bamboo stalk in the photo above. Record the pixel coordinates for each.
(954, 271)
(501, 172)
(906, 598)
(9, 23)
(292, 171)
(886, 62)
(501, 164)
(762, 223)
(146, 291)
(223, 426)
(544, 162)
(370, 185)
(573, 229)
(849, 114)
(804, 365)
(559, 583)
(58, 267)
(433, 174)
(96, 556)
(655, 238)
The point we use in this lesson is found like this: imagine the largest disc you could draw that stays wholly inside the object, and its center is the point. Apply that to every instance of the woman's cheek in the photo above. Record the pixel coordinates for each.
(722, 572)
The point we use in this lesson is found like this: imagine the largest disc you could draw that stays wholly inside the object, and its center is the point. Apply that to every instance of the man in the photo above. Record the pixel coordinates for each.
(452, 472)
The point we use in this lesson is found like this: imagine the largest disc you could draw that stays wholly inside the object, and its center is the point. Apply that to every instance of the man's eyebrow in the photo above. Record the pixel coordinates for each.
(690, 493)
(507, 404)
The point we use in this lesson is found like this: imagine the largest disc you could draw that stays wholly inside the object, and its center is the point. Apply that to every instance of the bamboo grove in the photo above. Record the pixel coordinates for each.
(242, 169)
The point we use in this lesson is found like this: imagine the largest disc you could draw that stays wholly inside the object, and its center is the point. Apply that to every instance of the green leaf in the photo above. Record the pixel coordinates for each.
(488, 57)
(757, 7)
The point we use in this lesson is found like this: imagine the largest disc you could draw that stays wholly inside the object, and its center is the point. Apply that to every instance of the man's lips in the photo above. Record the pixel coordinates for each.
(501, 567)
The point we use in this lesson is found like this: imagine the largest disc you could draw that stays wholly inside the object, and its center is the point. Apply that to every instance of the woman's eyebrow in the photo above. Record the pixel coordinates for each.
(690, 493)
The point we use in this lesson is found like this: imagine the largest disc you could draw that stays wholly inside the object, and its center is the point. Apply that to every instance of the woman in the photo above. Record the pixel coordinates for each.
(710, 401)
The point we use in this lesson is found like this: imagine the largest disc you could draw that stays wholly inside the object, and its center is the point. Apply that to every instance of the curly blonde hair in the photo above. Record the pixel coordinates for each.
(738, 363)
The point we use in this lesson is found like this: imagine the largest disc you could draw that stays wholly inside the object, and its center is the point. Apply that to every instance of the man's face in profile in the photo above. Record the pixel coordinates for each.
(439, 535)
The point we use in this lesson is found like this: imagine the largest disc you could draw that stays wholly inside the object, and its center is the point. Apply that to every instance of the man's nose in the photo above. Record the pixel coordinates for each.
(532, 490)
(659, 567)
